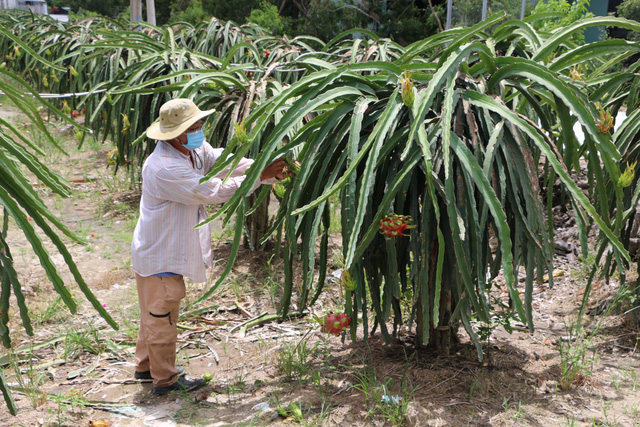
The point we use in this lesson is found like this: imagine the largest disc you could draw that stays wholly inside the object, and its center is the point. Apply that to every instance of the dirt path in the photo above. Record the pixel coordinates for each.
(260, 376)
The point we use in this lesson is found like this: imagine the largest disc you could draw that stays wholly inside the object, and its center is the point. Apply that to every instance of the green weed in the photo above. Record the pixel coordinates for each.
(384, 396)
(610, 419)
(66, 402)
(240, 284)
(79, 341)
(272, 283)
(509, 405)
(29, 378)
(575, 364)
(55, 311)
(294, 361)
(238, 384)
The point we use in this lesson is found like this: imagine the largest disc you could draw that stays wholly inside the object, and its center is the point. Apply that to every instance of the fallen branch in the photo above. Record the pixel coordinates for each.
(42, 366)
(265, 318)
(199, 311)
(243, 310)
(259, 316)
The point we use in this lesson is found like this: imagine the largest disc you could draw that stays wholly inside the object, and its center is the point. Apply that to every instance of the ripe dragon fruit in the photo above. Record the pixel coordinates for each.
(335, 323)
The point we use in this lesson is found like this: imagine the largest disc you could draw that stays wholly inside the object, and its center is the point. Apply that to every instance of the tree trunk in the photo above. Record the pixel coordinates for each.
(257, 223)
(443, 335)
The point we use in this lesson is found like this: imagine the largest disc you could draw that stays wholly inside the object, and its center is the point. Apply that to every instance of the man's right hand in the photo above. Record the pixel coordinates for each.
(277, 170)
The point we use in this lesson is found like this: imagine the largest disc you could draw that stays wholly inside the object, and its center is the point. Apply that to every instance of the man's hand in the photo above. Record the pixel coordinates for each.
(277, 170)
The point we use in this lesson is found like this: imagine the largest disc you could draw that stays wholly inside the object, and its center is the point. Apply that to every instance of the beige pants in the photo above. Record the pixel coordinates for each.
(159, 299)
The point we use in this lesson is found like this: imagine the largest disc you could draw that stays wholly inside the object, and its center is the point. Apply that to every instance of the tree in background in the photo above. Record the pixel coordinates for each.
(236, 11)
(267, 17)
(406, 21)
(568, 13)
(630, 9)
(327, 18)
(194, 13)
(469, 12)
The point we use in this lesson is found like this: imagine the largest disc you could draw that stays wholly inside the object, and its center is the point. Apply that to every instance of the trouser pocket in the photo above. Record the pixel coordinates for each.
(166, 303)
(173, 288)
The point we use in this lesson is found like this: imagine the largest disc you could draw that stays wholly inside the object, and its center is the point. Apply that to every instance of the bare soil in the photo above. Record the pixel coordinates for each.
(84, 375)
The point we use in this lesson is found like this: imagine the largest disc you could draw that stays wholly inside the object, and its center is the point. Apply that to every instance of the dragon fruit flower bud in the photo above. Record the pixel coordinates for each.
(347, 281)
(626, 178)
(408, 97)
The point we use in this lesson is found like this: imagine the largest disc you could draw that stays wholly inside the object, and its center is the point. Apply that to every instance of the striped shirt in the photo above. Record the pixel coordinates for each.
(172, 204)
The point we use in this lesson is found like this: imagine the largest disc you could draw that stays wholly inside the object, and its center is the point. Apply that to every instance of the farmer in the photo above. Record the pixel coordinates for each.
(165, 246)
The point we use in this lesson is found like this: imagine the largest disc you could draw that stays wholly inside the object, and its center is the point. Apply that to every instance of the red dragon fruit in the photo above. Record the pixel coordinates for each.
(335, 323)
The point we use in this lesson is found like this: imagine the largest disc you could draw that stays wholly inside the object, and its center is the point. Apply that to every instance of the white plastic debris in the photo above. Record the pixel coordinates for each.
(391, 400)
(264, 407)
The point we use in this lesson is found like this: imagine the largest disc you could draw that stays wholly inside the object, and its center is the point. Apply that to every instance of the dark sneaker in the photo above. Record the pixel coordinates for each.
(182, 384)
(146, 375)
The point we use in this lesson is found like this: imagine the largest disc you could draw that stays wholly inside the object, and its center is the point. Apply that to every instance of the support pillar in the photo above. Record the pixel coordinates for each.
(136, 11)
(151, 12)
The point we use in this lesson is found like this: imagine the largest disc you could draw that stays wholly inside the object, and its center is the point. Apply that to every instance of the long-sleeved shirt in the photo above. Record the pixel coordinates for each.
(172, 204)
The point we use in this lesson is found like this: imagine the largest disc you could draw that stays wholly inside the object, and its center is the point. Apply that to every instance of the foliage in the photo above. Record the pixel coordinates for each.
(236, 11)
(83, 14)
(267, 17)
(318, 18)
(565, 12)
(194, 13)
(630, 9)
(21, 203)
(406, 21)
(469, 12)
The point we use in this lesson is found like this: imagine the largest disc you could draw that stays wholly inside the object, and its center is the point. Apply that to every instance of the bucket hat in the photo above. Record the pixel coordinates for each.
(176, 116)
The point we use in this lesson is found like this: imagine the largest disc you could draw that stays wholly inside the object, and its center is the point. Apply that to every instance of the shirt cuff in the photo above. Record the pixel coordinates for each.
(269, 181)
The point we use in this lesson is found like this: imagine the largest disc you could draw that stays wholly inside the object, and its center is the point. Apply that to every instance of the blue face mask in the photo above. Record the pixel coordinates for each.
(194, 140)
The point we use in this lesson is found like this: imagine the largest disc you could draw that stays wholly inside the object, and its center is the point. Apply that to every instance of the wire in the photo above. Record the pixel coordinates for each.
(63, 95)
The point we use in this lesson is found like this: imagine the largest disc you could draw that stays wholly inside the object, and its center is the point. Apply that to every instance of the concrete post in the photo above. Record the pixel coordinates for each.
(136, 11)
(151, 12)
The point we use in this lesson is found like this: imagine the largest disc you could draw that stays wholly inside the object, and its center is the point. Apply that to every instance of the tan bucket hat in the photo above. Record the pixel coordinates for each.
(176, 116)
